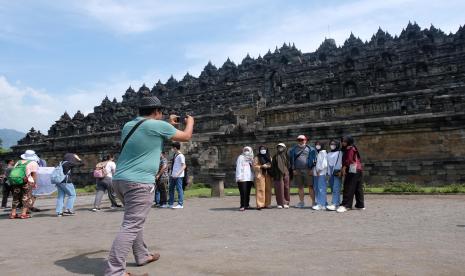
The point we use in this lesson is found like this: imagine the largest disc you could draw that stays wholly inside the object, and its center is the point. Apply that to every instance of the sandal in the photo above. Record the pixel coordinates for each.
(26, 216)
(154, 257)
(13, 216)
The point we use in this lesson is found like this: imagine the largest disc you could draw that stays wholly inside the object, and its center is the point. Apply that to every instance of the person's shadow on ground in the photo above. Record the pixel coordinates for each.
(82, 264)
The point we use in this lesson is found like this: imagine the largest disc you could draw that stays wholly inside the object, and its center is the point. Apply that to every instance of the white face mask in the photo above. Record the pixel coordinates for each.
(246, 152)
(333, 147)
(263, 152)
(318, 147)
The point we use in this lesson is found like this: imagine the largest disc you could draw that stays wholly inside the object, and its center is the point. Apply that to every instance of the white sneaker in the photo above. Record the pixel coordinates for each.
(164, 206)
(331, 207)
(286, 206)
(300, 205)
(317, 208)
(95, 209)
(341, 209)
(279, 207)
(178, 207)
(170, 206)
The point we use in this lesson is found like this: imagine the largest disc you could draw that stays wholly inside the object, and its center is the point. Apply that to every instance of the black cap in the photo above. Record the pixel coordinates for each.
(149, 102)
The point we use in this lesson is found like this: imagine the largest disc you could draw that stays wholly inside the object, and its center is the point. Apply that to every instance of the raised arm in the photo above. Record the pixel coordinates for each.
(186, 135)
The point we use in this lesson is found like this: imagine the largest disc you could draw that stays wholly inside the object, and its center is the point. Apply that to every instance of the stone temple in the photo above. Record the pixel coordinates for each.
(401, 97)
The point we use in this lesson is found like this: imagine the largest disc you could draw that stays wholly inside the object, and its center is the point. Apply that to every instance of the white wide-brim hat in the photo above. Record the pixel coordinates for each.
(281, 145)
(30, 155)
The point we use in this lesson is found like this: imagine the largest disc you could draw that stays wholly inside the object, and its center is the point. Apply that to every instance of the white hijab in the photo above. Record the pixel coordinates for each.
(247, 152)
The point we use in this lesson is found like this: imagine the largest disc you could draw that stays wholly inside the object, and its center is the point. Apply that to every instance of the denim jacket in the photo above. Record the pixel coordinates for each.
(311, 161)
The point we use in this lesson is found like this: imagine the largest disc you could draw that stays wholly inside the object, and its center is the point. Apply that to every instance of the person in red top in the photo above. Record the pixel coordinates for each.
(352, 171)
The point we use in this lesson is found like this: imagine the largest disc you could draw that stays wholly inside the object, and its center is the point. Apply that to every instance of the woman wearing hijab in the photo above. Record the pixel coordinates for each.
(245, 176)
(262, 165)
(319, 175)
(280, 173)
(335, 174)
(352, 172)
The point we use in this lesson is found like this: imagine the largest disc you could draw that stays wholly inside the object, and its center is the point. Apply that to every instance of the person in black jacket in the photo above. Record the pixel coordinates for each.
(66, 188)
(6, 186)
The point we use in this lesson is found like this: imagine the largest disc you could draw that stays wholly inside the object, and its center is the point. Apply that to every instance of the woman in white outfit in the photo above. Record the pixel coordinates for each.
(334, 173)
(245, 176)
(319, 177)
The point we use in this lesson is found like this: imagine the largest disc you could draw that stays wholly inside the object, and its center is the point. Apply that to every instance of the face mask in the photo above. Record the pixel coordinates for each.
(280, 149)
(246, 152)
(333, 147)
(263, 152)
(318, 147)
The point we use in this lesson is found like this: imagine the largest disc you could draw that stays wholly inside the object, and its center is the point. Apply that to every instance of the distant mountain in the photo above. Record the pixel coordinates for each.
(10, 137)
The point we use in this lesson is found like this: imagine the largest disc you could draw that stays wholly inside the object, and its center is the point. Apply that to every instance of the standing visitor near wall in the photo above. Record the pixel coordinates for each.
(335, 173)
(6, 185)
(178, 165)
(162, 179)
(280, 173)
(302, 160)
(245, 176)
(263, 181)
(352, 171)
(319, 177)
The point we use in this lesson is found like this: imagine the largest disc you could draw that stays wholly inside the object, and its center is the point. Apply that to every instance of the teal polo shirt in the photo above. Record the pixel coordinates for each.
(140, 158)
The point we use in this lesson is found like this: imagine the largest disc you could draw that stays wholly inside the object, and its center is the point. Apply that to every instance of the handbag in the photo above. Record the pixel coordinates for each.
(353, 166)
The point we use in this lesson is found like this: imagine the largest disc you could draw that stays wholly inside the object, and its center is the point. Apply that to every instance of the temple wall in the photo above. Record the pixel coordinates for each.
(402, 98)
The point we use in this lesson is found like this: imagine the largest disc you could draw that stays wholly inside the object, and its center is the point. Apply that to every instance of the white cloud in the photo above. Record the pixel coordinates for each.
(128, 17)
(24, 107)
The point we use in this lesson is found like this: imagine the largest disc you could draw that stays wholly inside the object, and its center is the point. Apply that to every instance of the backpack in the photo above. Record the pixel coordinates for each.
(185, 180)
(100, 171)
(58, 175)
(18, 175)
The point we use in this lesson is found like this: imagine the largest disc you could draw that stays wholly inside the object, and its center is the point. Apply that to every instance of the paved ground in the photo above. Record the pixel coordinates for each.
(396, 235)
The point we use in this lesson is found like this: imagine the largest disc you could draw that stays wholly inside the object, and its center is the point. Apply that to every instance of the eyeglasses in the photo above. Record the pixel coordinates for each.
(300, 140)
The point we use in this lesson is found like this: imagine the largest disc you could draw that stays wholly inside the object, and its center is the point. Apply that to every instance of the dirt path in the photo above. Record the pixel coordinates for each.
(396, 235)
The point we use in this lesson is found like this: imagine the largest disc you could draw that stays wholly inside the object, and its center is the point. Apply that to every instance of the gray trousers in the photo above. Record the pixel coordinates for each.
(102, 186)
(137, 199)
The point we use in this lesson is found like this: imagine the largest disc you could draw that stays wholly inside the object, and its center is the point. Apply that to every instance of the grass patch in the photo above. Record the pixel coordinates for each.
(203, 190)
(402, 187)
(86, 189)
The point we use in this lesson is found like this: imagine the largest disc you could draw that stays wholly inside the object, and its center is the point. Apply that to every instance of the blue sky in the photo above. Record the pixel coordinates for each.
(68, 55)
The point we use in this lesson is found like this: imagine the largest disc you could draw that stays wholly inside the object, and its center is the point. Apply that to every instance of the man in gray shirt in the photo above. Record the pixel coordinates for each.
(302, 158)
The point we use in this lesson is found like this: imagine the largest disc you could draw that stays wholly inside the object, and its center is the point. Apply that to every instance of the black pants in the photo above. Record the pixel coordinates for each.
(161, 187)
(244, 190)
(6, 194)
(353, 186)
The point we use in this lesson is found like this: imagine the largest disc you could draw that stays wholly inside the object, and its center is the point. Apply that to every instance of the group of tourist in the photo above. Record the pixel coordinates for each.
(21, 178)
(142, 163)
(171, 174)
(131, 179)
(307, 165)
